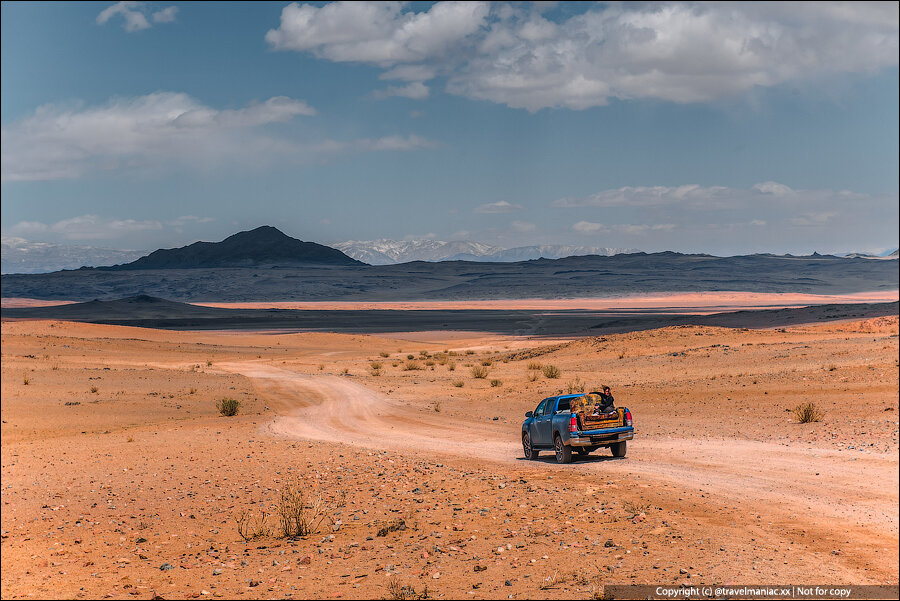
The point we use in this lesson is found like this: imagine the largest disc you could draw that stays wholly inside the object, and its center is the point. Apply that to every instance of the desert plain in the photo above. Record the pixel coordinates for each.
(122, 480)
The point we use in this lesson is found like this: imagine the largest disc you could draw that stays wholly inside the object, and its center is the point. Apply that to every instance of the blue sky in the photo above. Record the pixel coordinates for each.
(697, 128)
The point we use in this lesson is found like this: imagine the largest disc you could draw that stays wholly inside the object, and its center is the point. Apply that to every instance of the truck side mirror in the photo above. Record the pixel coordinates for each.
(529, 414)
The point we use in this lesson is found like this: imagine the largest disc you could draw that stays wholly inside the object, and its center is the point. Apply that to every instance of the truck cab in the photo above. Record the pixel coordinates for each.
(553, 426)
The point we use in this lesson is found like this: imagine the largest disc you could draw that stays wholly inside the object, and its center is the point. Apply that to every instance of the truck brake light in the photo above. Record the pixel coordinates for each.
(573, 424)
(628, 421)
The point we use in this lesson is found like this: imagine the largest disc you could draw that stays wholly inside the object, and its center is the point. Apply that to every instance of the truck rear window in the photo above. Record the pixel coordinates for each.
(563, 405)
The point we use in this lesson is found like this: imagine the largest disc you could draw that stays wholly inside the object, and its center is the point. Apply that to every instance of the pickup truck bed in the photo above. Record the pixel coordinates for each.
(552, 426)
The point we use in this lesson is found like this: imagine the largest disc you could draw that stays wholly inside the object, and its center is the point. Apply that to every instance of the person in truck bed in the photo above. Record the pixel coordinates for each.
(607, 402)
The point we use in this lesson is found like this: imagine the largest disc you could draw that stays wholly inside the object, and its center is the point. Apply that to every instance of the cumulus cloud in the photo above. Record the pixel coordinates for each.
(501, 206)
(136, 16)
(513, 54)
(376, 32)
(163, 129)
(87, 227)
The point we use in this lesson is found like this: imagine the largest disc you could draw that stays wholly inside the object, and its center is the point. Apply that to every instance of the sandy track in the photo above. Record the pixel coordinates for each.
(859, 489)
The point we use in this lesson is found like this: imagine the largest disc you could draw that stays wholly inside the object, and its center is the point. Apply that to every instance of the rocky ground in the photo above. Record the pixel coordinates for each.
(121, 479)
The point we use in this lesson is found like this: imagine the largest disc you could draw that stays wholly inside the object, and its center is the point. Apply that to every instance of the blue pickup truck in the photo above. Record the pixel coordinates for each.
(553, 426)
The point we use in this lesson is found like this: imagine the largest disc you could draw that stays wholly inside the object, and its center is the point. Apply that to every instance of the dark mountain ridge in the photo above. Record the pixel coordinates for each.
(262, 246)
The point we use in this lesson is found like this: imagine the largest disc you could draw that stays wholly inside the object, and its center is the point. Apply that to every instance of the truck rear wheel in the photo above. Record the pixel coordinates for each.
(530, 452)
(618, 449)
(563, 452)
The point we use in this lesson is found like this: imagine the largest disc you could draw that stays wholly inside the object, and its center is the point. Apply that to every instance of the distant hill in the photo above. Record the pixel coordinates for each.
(262, 246)
(572, 277)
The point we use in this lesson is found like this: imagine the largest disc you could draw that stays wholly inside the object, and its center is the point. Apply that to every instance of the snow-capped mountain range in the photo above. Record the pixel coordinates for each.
(23, 256)
(387, 252)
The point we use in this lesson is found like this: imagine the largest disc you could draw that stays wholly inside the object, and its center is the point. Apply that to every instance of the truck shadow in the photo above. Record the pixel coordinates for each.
(586, 459)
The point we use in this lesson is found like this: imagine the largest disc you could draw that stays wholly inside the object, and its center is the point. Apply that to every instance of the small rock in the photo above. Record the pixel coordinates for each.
(306, 560)
(609, 543)
(217, 571)
(140, 540)
(166, 566)
(507, 583)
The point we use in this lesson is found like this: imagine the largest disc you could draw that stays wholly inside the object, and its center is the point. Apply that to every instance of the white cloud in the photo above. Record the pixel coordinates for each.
(87, 227)
(696, 197)
(166, 15)
(648, 196)
(135, 15)
(501, 206)
(415, 90)
(376, 32)
(163, 129)
(186, 219)
(522, 226)
(588, 227)
(677, 51)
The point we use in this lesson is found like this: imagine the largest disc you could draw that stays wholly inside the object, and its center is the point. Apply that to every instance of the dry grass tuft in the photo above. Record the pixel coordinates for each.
(495, 383)
(251, 527)
(480, 372)
(411, 366)
(551, 371)
(228, 406)
(534, 365)
(298, 514)
(575, 385)
(806, 413)
(459, 383)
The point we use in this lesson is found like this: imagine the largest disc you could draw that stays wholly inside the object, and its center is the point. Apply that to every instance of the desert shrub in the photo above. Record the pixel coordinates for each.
(805, 413)
(622, 355)
(424, 354)
(575, 385)
(479, 371)
(437, 406)
(459, 383)
(470, 352)
(429, 363)
(534, 365)
(346, 371)
(375, 372)
(451, 366)
(208, 363)
(487, 362)
(192, 390)
(94, 389)
(405, 592)
(228, 406)
(495, 383)
(321, 366)
(441, 359)
(26, 381)
(298, 514)
(410, 357)
(411, 366)
(375, 364)
(251, 527)
(532, 377)
(452, 353)
(551, 371)
(384, 354)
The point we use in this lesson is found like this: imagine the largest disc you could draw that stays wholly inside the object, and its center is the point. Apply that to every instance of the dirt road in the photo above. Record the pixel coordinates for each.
(774, 486)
